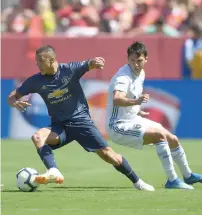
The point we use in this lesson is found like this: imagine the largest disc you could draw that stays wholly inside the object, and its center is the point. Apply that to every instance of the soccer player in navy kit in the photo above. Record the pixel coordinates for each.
(58, 84)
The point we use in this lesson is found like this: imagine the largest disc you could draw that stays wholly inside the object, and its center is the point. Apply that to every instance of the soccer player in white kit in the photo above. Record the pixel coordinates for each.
(127, 126)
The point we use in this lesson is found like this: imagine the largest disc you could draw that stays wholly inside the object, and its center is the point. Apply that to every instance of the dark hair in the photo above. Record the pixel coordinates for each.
(159, 21)
(138, 48)
(196, 29)
(46, 48)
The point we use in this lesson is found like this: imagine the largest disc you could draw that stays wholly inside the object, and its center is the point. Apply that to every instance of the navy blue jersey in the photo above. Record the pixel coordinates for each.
(61, 92)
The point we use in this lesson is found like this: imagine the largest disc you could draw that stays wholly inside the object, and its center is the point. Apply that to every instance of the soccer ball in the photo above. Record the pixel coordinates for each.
(25, 179)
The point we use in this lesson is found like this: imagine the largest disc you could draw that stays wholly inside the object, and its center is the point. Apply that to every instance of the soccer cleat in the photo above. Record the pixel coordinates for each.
(53, 175)
(194, 178)
(178, 184)
(141, 185)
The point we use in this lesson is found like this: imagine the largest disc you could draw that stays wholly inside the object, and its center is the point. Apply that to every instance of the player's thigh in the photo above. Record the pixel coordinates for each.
(89, 137)
(59, 134)
(154, 133)
(128, 133)
(131, 133)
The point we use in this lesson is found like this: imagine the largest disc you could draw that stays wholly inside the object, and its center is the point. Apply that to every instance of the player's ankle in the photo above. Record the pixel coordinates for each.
(139, 181)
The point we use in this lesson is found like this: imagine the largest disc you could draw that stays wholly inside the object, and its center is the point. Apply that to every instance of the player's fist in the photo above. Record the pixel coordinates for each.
(143, 113)
(21, 105)
(144, 98)
(96, 63)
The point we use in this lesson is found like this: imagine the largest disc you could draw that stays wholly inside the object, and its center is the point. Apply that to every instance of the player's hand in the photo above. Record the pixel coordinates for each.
(96, 63)
(21, 105)
(143, 113)
(144, 98)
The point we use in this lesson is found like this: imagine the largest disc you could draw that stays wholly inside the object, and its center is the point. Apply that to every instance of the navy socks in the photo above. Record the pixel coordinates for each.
(46, 155)
(125, 169)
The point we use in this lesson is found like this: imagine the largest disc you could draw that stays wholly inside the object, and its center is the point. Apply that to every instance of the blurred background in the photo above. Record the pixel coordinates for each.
(81, 29)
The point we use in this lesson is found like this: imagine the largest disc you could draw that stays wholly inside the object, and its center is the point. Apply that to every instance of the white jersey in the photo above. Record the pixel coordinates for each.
(123, 125)
(126, 81)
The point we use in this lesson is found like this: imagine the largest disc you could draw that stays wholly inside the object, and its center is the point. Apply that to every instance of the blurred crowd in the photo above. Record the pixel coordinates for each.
(91, 17)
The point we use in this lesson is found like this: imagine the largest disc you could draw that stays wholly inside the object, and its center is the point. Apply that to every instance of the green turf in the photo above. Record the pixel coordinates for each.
(93, 187)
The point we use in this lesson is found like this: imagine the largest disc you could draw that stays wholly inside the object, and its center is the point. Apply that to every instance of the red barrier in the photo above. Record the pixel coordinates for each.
(163, 62)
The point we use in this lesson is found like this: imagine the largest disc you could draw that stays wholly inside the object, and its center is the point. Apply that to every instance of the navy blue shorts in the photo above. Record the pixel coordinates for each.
(85, 133)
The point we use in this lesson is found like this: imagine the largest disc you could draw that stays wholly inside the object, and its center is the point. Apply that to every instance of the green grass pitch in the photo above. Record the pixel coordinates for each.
(94, 187)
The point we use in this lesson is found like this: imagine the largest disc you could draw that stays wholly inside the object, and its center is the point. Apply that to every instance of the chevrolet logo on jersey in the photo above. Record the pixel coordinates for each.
(57, 93)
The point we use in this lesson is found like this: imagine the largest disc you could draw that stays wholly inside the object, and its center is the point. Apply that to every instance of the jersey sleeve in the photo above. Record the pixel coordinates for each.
(79, 68)
(28, 86)
(121, 84)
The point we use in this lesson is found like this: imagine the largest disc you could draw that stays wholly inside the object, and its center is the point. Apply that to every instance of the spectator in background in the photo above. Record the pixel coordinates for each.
(117, 16)
(175, 12)
(91, 17)
(145, 13)
(158, 27)
(62, 16)
(192, 55)
(16, 19)
(97, 4)
(47, 17)
(126, 17)
(79, 18)
(194, 17)
(198, 14)
(110, 16)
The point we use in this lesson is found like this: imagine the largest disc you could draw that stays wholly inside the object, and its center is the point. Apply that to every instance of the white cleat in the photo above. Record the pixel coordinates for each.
(141, 185)
(53, 175)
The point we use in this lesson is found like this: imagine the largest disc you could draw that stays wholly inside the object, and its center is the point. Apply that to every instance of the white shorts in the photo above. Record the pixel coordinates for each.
(131, 132)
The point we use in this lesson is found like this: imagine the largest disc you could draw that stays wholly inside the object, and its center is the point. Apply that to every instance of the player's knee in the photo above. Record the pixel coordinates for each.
(173, 141)
(159, 136)
(37, 139)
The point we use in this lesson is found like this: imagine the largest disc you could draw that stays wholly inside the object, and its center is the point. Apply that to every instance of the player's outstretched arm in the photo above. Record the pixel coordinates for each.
(96, 63)
(120, 99)
(80, 68)
(13, 101)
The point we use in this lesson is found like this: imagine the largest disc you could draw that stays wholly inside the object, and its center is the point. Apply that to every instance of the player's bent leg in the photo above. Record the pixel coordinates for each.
(43, 139)
(121, 165)
(179, 156)
(158, 137)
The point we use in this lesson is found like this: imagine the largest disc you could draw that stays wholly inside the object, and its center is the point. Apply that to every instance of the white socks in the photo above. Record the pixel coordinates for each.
(180, 158)
(163, 151)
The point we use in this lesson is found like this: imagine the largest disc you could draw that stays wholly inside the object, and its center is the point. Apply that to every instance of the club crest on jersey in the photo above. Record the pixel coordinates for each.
(65, 79)
(44, 87)
(137, 126)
